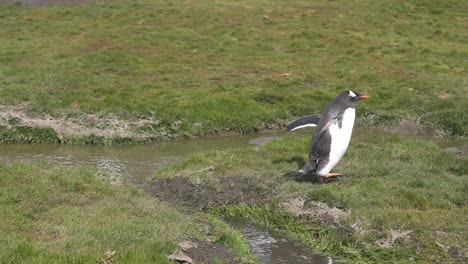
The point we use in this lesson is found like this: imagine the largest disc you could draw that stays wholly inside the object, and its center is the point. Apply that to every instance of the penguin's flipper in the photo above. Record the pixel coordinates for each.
(306, 121)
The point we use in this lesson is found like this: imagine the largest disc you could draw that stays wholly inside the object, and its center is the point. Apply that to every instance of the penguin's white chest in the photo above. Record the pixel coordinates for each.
(340, 137)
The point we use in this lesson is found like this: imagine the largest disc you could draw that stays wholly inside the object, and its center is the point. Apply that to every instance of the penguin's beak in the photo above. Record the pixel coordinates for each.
(363, 96)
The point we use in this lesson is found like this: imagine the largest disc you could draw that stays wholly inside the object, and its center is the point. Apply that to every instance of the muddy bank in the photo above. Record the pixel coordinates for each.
(19, 125)
(458, 150)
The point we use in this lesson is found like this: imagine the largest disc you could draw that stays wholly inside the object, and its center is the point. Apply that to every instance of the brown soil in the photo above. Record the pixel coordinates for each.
(228, 190)
(211, 252)
(316, 211)
(87, 124)
(408, 127)
(461, 150)
(201, 196)
(393, 236)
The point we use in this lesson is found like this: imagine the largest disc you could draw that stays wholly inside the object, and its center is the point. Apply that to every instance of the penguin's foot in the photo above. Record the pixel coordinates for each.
(333, 175)
(329, 177)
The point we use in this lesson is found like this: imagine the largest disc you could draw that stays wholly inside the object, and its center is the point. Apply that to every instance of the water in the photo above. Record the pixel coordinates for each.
(272, 246)
(135, 163)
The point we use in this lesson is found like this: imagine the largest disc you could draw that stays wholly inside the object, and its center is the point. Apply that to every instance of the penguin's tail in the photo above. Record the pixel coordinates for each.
(306, 121)
(299, 173)
(295, 174)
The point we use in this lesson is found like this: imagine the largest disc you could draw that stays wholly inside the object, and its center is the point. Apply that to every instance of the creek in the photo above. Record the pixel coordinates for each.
(137, 163)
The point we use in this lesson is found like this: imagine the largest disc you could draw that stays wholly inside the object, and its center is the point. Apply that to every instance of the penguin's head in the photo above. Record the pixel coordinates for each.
(351, 96)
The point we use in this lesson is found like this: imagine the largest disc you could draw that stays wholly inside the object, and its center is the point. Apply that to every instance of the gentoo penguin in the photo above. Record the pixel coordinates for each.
(332, 135)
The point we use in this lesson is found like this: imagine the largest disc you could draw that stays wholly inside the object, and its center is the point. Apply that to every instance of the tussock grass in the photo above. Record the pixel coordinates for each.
(241, 65)
(51, 214)
(390, 183)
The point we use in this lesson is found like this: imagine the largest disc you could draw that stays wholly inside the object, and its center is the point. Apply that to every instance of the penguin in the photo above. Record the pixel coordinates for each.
(332, 135)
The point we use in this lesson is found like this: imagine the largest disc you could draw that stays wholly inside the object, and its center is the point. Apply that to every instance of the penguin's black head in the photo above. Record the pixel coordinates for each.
(352, 97)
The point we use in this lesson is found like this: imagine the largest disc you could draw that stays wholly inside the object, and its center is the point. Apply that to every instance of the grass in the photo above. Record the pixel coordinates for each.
(51, 214)
(240, 65)
(28, 135)
(390, 183)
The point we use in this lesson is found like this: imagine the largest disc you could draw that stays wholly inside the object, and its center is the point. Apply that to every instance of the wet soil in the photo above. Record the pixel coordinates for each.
(211, 252)
(458, 150)
(203, 252)
(201, 196)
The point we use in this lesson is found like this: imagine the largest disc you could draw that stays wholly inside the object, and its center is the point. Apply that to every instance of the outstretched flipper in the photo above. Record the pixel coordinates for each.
(306, 121)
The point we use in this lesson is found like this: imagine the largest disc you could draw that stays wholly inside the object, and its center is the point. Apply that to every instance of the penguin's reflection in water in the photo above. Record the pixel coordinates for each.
(331, 137)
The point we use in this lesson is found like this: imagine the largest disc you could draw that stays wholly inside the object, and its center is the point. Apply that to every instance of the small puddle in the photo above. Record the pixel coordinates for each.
(272, 246)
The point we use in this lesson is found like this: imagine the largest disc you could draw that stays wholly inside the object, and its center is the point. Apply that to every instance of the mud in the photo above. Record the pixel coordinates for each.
(393, 236)
(203, 252)
(409, 127)
(315, 211)
(211, 252)
(459, 150)
(225, 191)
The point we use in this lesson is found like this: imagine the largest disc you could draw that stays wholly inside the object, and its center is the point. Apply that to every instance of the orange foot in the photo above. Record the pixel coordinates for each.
(333, 175)
(325, 178)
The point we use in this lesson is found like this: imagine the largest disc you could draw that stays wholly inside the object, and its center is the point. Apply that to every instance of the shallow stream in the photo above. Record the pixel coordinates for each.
(137, 163)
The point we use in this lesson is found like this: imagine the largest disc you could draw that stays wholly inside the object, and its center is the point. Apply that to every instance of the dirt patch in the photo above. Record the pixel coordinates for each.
(202, 252)
(410, 127)
(318, 212)
(226, 190)
(112, 126)
(107, 125)
(394, 235)
(211, 252)
(460, 150)
(31, 3)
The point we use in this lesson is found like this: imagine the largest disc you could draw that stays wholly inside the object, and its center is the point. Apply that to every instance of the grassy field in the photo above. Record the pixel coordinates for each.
(400, 201)
(199, 67)
(51, 214)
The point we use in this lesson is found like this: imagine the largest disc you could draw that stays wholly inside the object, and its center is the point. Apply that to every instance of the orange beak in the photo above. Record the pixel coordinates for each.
(364, 96)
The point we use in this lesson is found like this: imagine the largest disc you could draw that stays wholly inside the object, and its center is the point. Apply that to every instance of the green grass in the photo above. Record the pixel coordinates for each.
(222, 64)
(28, 135)
(51, 214)
(390, 183)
